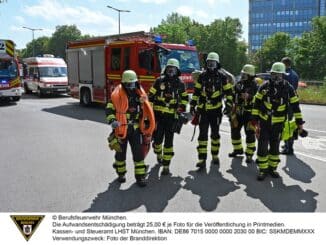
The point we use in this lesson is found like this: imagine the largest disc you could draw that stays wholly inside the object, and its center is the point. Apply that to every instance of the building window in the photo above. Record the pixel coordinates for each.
(115, 59)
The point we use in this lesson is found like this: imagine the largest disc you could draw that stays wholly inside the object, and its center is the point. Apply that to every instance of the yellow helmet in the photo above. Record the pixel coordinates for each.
(278, 67)
(129, 76)
(248, 69)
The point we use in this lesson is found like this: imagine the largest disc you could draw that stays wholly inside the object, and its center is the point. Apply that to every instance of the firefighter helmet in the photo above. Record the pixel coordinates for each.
(278, 67)
(173, 62)
(248, 69)
(213, 56)
(129, 76)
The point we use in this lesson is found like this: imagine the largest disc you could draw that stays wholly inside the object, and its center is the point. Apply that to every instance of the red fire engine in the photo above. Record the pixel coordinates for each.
(95, 65)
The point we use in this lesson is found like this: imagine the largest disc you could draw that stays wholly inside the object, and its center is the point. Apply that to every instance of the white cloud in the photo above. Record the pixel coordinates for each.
(20, 20)
(185, 10)
(154, 1)
(214, 2)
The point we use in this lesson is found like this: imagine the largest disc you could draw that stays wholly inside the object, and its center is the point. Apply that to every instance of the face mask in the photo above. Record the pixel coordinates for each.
(244, 76)
(130, 86)
(277, 78)
(171, 71)
(211, 65)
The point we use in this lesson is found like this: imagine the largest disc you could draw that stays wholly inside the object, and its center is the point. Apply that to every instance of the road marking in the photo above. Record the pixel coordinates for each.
(314, 130)
(311, 156)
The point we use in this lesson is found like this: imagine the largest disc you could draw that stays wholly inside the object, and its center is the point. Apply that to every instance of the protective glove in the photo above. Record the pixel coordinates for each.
(115, 124)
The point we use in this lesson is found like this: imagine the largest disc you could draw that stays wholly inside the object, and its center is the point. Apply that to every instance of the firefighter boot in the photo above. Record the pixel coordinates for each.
(273, 173)
(165, 171)
(249, 159)
(121, 178)
(141, 181)
(261, 175)
(201, 164)
(235, 153)
(215, 160)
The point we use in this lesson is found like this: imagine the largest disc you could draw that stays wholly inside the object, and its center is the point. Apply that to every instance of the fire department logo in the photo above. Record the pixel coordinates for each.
(27, 224)
(162, 86)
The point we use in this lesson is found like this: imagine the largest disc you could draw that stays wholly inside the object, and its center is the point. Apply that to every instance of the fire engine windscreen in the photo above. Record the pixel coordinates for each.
(8, 69)
(53, 71)
(188, 59)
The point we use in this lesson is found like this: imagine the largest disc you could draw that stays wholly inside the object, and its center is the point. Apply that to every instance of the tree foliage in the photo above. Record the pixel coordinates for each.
(221, 36)
(40, 46)
(272, 50)
(59, 39)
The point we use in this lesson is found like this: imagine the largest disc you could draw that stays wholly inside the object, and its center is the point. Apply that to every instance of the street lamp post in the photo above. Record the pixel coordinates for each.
(33, 29)
(119, 11)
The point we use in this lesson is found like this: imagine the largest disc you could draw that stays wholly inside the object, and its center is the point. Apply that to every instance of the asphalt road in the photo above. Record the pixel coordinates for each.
(54, 158)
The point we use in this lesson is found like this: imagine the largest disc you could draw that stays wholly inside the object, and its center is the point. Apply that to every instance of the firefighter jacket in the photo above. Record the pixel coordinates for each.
(210, 90)
(168, 95)
(271, 103)
(244, 105)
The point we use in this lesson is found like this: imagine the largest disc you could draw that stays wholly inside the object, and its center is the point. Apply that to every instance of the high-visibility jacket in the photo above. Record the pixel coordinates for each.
(168, 95)
(210, 90)
(271, 103)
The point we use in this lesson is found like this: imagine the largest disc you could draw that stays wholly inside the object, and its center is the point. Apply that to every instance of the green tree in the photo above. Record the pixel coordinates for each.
(273, 49)
(40, 45)
(221, 36)
(59, 39)
(310, 51)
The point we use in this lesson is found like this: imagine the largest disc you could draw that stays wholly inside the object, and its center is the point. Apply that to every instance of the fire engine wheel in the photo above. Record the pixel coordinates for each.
(39, 92)
(85, 97)
(15, 98)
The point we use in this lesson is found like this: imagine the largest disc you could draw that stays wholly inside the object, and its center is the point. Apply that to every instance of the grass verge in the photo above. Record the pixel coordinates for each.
(313, 95)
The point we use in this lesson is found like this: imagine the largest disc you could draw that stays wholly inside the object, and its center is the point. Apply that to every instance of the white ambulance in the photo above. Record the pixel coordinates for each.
(45, 75)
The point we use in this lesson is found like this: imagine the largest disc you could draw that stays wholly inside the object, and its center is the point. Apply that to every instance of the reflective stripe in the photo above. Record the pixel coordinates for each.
(251, 144)
(237, 147)
(153, 90)
(262, 159)
(298, 115)
(255, 112)
(140, 171)
(262, 116)
(205, 143)
(229, 97)
(273, 164)
(268, 105)
(278, 119)
(202, 150)
(211, 107)
(274, 157)
(168, 150)
(120, 163)
(281, 108)
(258, 96)
(227, 86)
(263, 165)
(110, 106)
(184, 94)
(110, 117)
(215, 94)
(215, 148)
(198, 85)
(184, 102)
(236, 141)
(250, 151)
(217, 141)
(294, 99)
(121, 169)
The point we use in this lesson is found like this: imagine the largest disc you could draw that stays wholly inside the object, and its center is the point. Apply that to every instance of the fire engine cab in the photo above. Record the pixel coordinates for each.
(10, 84)
(95, 65)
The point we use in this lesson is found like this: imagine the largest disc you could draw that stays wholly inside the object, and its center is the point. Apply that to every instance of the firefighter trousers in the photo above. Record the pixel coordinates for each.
(163, 139)
(134, 139)
(209, 119)
(268, 146)
(243, 121)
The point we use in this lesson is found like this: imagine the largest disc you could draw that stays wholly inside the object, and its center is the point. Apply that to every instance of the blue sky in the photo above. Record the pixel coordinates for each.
(93, 17)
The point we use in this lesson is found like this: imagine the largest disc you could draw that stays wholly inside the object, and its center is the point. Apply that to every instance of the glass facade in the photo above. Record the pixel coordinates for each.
(291, 16)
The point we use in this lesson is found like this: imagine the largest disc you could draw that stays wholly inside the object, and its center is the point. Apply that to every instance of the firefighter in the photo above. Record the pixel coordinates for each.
(211, 87)
(124, 113)
(293, 78)
(169, 100)
(244, 92)
(271, 105)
